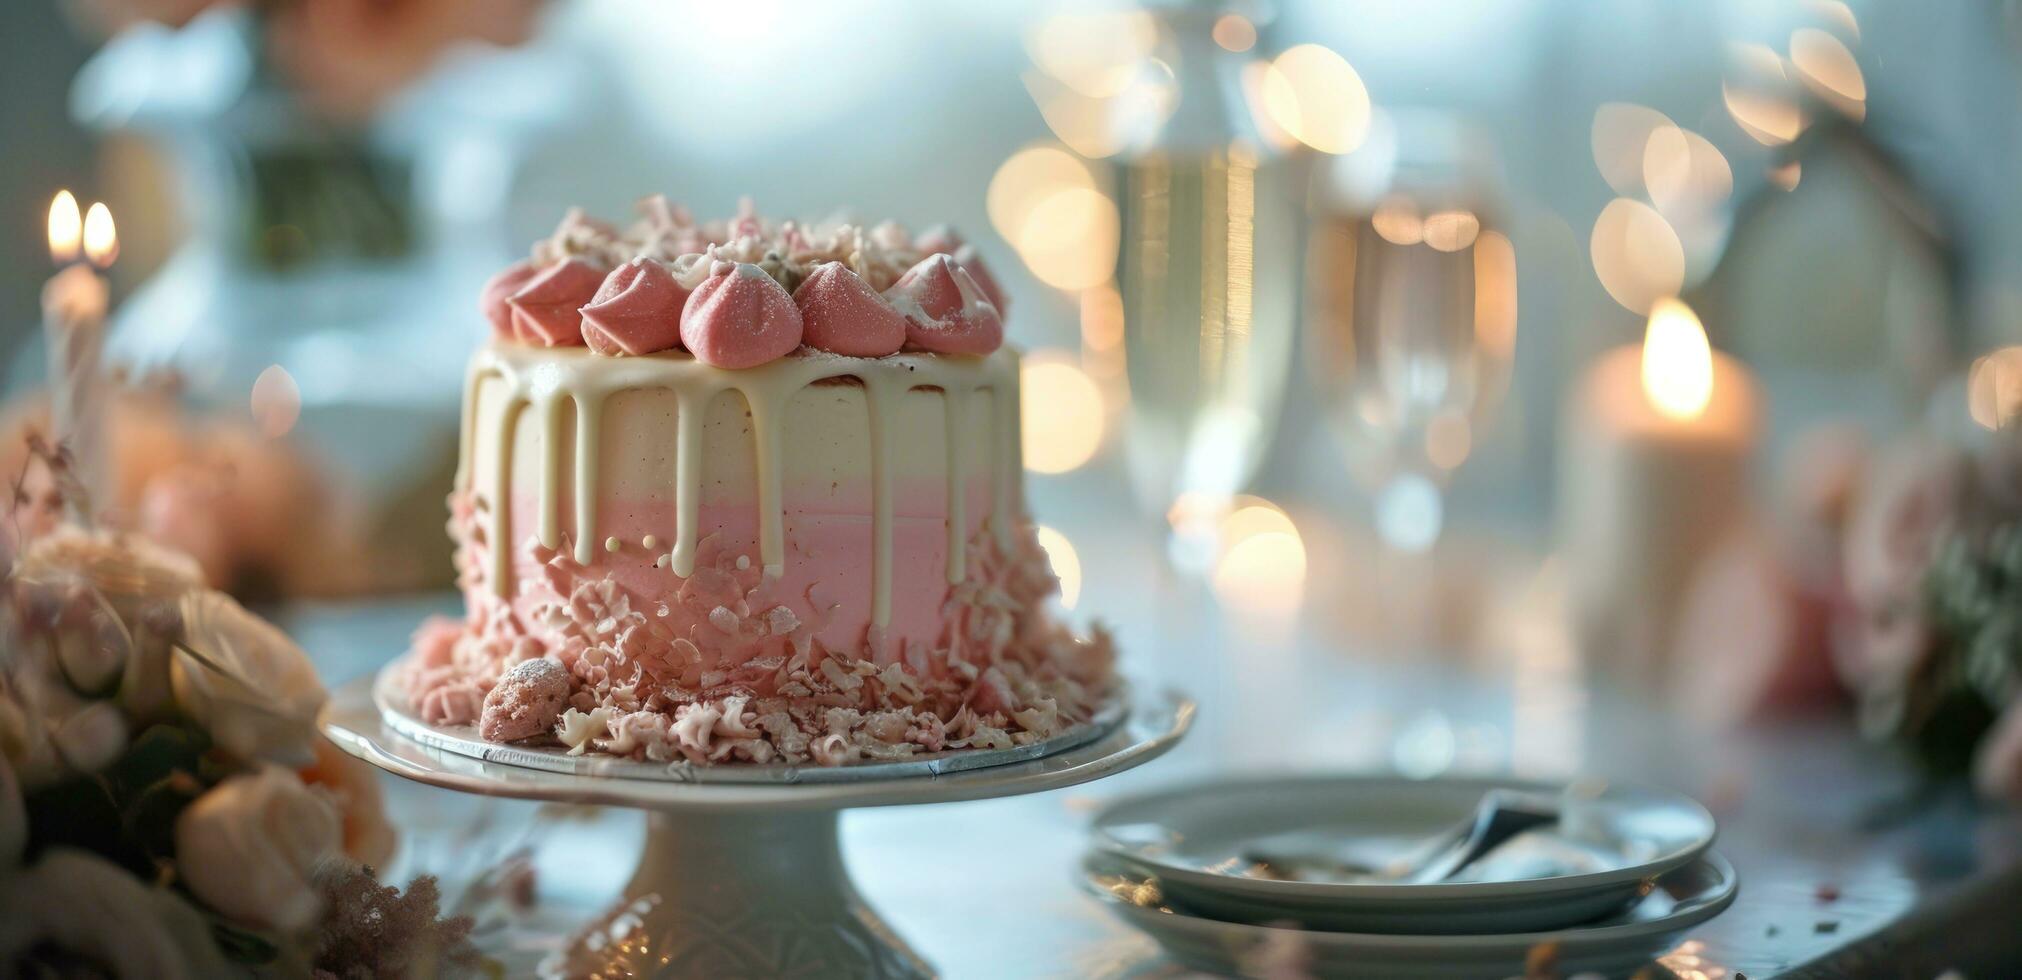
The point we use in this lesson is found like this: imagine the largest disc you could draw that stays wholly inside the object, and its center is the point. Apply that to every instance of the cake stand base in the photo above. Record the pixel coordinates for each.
(738, 896)
(745, 878)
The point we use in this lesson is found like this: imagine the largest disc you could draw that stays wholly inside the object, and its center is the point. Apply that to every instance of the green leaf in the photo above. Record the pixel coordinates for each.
(80, 812)
(150, 819)
(242, 945)
(159, 752)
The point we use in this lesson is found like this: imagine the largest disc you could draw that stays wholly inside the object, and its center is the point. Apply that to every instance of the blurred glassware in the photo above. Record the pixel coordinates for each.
(1411, 312)
(320, 242)
(1208, 271)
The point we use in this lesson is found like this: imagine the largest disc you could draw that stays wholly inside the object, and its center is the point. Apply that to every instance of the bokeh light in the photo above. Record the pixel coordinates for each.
(1410, 513)
(1828, 68)
(1029, 176)
(1085, 124)
(1070, 238)
(1838, 14)
(1637, 254)
(1097, 127)
(1994, 388)
(1396, 221)
(1061, 413)
(1096, 53)
(1684, 173)
(1495, 295)
(1262, 564)
(1066, 563)
(1045, 202)
(1451, 231)
(1621, 139)
(1313, 96)
(1098, 86)
(1234, 32)
(1760, 96)
(276, 402)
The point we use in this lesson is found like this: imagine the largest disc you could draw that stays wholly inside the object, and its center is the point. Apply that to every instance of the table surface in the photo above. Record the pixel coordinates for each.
(1838, 874)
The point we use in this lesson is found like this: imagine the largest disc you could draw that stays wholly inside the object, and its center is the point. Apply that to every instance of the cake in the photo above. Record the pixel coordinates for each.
(748, 492)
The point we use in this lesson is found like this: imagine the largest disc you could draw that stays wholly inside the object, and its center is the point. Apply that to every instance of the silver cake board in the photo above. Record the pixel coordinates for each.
(742, 872)
(398, 713)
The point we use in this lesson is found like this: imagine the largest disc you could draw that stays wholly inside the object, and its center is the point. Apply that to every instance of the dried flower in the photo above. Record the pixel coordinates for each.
(372, 930)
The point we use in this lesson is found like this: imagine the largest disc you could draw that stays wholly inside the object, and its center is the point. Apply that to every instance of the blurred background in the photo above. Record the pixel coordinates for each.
(1431, 387)
(1318, 299)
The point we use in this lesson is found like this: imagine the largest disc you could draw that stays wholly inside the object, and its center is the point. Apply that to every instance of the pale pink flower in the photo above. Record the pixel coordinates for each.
(250, 848)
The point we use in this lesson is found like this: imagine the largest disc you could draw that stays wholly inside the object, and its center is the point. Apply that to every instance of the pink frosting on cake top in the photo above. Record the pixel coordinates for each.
(636, 311)
(546, 310)
(946, 312)
(630, 292)
(739, 317)
(501, 287)
(843, 315)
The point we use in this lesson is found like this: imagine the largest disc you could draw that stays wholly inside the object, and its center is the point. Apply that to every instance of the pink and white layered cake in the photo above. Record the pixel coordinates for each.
(748, 492)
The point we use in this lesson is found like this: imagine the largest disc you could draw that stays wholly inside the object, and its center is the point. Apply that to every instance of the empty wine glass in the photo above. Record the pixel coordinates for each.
(1412, 314)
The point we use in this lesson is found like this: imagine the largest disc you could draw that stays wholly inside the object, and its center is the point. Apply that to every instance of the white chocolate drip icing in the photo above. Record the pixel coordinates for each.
(551, 380)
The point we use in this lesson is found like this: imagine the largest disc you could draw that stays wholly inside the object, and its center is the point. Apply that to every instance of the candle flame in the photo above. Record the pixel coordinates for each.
(101, 241)
(1677, 362)
(66, 228)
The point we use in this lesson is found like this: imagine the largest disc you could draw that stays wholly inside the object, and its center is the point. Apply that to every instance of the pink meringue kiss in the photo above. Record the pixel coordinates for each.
(971, 261)
(841, 314)
(946, 312)
(636, 311)
(740, 317)
(498, 290)
(547, 310)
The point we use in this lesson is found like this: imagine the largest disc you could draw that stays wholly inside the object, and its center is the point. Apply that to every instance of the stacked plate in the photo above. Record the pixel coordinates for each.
(1256, 875)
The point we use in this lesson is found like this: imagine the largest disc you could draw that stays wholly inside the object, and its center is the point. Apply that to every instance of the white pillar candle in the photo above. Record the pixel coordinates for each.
(1656, 449)
(74, 305)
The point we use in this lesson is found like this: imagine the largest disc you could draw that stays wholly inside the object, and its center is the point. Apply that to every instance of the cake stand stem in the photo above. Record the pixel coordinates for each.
(743, 893)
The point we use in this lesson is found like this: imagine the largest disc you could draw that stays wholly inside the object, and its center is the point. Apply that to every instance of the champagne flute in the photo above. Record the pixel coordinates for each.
(1209, 275)
(1413, 319)
(1208, 271)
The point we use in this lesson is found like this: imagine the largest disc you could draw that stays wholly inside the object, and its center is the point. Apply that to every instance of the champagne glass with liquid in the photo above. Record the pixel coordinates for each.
(1208, 271)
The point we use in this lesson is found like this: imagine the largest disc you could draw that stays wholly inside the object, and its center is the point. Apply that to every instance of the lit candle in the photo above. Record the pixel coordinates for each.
(74, 306)
(1657, 443)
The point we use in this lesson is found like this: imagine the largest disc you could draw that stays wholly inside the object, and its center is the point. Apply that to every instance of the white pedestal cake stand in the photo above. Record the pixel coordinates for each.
(742, 873)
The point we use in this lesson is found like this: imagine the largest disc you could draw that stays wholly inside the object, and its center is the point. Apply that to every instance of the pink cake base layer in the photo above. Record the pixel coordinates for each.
(827, 576)
(724, 666)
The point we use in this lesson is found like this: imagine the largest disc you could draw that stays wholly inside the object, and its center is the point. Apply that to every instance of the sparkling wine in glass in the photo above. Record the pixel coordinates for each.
(1209, 274)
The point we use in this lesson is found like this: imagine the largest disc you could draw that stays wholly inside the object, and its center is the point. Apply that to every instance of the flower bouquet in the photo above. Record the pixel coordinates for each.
(1934, 569)
(167, 806)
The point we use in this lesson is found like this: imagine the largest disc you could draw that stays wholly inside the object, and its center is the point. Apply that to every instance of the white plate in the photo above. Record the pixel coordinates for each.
(1617, 946)
(1195, 841)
